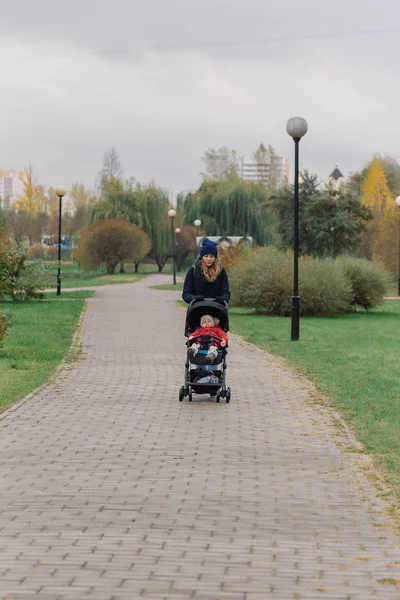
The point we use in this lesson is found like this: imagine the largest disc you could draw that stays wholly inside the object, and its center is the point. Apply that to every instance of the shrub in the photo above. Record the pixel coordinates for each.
(51, 253)
(109, 242)
(35, 252)
(323, 288)
(3, 327)
(369, 281)
(30, 282)
(16, 279)
(264, 281)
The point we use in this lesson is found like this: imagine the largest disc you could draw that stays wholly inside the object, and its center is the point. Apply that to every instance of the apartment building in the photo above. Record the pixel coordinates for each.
(11, 187)
(274, 172)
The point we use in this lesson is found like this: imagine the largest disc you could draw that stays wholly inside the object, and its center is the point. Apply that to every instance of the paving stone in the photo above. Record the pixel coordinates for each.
(112, 489)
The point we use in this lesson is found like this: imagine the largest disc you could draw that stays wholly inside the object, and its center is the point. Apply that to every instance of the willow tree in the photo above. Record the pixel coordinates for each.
(231, 207)
(154, 204)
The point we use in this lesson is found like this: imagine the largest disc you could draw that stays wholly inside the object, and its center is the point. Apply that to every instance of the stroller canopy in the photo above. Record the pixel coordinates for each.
(209, 306)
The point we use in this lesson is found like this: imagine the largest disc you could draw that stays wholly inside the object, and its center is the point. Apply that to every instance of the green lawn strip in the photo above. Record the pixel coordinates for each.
(37, 342)
(354, 359)
(99, 280)
(73, 276)
(168, 287)
(67, 295)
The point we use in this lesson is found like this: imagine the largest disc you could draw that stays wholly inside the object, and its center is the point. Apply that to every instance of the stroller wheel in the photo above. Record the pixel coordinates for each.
(218, 396)
(190, 393)
(228, 395)
(181, 393)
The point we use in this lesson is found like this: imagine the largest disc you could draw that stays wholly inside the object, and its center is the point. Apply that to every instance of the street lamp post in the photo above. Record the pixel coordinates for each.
(296, 127)
(172, 215)
(398, 280)
(197, 224)
(60, 191)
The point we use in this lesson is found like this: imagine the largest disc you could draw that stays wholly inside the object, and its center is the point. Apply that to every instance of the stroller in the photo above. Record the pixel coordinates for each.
(201, 377)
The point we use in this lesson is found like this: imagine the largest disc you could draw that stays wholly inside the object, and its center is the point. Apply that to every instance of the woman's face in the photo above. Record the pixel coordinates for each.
(209, 259)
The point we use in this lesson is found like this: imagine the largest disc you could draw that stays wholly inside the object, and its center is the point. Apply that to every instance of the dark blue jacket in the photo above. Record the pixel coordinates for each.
(196, 286)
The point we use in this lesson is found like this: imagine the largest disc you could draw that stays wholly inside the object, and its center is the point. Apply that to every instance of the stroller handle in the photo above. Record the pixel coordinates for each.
(225, 304)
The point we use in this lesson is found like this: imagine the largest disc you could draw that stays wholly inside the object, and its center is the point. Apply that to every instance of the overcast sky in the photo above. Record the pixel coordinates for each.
(163, 80)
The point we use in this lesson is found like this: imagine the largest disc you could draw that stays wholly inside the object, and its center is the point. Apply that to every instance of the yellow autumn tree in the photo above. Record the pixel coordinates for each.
(377, 196)
(385, 244)
(32, 205)
(32, 197)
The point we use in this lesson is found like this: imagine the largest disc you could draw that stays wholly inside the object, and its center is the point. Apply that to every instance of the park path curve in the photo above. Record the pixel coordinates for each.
(113, 490)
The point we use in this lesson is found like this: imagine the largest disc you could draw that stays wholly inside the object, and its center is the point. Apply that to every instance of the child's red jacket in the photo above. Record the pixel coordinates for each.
(193, 337)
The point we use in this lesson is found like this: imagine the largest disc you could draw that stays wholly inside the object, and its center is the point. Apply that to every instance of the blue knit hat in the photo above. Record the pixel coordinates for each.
(208, 247)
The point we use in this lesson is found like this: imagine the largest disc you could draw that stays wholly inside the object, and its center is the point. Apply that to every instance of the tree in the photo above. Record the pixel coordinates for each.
(385, 241)
(82, 201)
(376, 194)
(265, 159)
(111, 168)
(330, 221)
(156, 223)
(220, 164)
(109, 242)
(32, 201)
(185, 244)
(232, 207)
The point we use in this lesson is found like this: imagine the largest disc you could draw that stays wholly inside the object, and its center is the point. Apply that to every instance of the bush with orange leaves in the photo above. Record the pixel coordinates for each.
(231, 256)
(109, 242)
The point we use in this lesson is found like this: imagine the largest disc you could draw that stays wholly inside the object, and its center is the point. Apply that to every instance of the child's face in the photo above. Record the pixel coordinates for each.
(207, 321)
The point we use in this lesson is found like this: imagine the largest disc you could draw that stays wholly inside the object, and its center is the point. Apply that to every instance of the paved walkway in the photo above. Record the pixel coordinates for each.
(113, 490)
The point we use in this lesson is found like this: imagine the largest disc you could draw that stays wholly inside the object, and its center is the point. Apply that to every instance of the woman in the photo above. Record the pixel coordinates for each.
(207, 279)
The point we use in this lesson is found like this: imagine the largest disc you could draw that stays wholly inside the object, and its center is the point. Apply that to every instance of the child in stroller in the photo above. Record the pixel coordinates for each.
(205, 367)
(208, 326)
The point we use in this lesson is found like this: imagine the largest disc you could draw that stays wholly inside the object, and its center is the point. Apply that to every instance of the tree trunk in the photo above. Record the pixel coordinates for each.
(111, 268)
(136, 267)
(122, 268)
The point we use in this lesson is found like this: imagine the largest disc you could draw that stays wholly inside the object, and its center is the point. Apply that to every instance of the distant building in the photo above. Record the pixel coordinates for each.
(275, 171)
(336, 179)
(11, 187)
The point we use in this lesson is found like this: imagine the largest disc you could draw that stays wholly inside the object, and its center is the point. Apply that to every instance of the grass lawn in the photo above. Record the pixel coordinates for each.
(39, 339)
(169, 287)
(355, 360)
(73, 276)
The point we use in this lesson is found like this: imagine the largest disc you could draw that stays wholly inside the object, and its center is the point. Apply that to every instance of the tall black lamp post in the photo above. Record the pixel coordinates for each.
(296, 128)
(172, 215)
(60, 191)
(398, 280)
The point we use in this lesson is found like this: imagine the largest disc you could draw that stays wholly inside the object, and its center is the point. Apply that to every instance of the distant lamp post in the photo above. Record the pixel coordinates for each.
(172, 215)
(398, 280)
(296, 127)
(197, 224)
(60, 191)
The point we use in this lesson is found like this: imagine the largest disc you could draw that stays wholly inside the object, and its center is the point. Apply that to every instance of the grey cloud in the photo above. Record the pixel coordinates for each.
(148, 79)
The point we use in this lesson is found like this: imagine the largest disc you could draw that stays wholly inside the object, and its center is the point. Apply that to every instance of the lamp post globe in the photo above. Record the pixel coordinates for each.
(60, 191)
(177, 230)
(197, 224)
(297, 128)
(172, 215)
